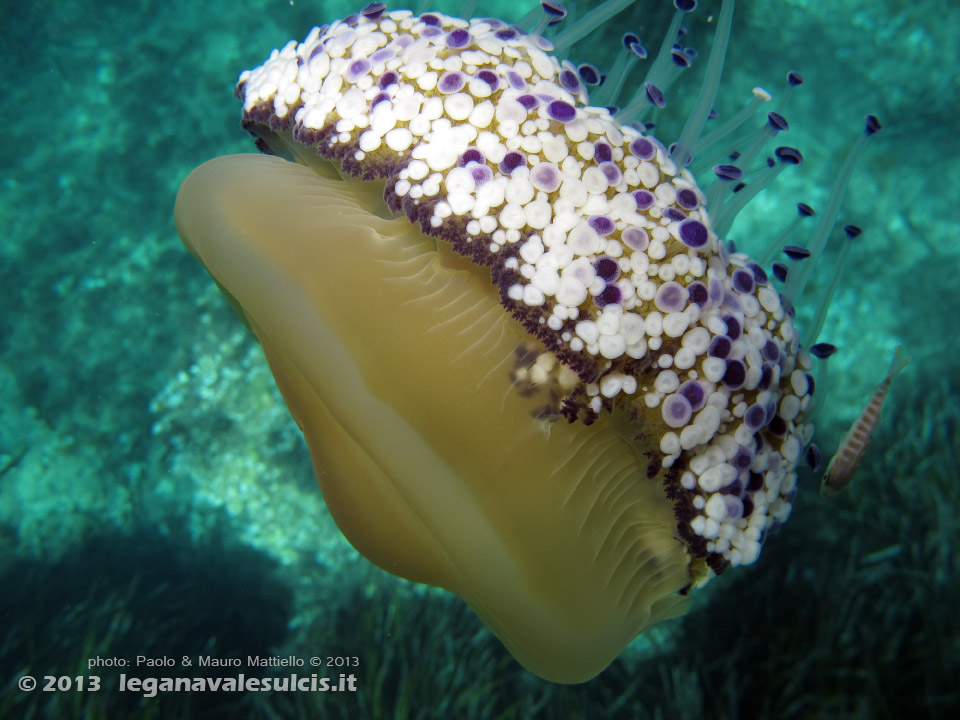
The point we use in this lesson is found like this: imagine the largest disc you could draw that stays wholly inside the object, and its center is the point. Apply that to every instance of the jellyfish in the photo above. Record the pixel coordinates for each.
(528, 368)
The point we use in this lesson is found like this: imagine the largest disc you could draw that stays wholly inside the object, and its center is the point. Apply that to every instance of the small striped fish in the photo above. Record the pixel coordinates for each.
(844, 464)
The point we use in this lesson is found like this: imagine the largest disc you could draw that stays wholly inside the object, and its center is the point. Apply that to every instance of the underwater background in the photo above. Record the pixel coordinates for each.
(157, 499)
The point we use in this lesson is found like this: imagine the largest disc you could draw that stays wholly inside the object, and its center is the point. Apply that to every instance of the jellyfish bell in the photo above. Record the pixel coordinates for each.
(495, 312)
(425, 406)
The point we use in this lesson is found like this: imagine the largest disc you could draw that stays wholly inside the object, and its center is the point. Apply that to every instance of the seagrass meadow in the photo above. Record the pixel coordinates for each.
(158, 499)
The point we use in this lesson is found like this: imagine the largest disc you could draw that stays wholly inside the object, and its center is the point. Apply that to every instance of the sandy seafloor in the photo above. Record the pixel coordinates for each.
(156, 498)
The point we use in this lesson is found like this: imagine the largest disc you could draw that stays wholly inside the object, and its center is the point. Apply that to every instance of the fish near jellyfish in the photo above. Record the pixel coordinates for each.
(527, 364)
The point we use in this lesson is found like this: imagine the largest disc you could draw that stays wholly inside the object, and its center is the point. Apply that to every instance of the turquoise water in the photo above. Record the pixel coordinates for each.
(156, 499)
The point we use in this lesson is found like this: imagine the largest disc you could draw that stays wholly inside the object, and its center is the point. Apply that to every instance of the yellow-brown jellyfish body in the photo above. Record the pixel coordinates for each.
(398, 363)
(553, 393)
